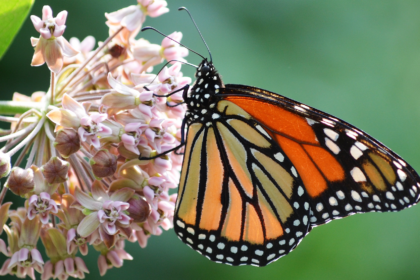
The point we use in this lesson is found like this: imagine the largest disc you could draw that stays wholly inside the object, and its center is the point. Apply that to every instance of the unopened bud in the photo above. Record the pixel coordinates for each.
(4, 165)
(67, 142)
(103, 164)
(21, 181)
(139, 209)
(55, 170)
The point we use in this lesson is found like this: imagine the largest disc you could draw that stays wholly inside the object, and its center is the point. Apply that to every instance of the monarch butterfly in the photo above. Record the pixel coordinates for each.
(261, 170)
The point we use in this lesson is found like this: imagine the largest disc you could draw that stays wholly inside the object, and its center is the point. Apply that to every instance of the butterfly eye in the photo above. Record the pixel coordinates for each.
(205, 70)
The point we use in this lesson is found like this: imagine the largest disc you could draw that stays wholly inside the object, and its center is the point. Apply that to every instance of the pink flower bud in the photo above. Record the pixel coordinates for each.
(139, 209)
(4, 165)
(55, 170)
(21, 181)
(67, 142)
(103, 164)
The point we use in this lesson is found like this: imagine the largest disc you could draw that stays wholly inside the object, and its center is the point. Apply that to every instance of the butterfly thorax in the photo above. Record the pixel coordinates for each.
(202, 97)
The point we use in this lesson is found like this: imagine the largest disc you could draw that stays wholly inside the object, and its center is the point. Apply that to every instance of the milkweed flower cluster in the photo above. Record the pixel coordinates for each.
(99, 143)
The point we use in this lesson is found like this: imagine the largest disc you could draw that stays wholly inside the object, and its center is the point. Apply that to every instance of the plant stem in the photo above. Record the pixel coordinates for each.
(17, 107)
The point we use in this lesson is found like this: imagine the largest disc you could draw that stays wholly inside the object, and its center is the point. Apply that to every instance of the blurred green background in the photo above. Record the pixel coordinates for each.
(357, 60)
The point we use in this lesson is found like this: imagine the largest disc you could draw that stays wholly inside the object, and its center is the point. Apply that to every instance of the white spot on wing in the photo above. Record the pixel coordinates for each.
(351, 134)
(331, 133)
(356, 196)
(300, 191)
(271, 256)
(340, 194)
(201, 236)
(279, 156)
(333, 201)
(397, 165)
(294, 171)
(259, 252)
(361, 146)
(357, 175)
(180, 224)
(328, 122)
(402, 175)
(319, 207)
(332, 146)
(355, 152)
(262, 130)
(311, 121)
(299, 108)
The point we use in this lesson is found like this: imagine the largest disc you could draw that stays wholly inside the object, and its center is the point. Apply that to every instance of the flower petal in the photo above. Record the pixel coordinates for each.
(88, 225)
(64, 117)
(36, 256)
(87, 201)
(122, 195)
(74, 106)
(98, 193)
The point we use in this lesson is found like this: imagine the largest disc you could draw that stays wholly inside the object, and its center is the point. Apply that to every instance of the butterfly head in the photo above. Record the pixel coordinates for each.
(204, 93)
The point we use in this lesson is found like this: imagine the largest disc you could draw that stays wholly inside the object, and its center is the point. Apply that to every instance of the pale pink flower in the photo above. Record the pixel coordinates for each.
(147, 54)
(73, 115)
(158, 133)
(172, 50)
(106, 213)
(154, 8)
(51, 46)
(132, 136)
(50, 27)
(125, 97)
(27, 260)
(167, 81)
(113, 258)
(142, 237)
(62, 269)
(132, 18)
(41, 205)
(84, 48)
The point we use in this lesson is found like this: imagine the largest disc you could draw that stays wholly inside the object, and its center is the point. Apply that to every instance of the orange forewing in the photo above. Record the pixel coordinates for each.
(297, 139)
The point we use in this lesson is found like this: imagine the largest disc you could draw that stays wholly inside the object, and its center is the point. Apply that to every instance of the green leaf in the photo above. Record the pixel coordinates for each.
(12, 16)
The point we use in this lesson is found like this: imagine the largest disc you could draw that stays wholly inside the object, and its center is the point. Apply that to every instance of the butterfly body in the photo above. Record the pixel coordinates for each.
(261, 170)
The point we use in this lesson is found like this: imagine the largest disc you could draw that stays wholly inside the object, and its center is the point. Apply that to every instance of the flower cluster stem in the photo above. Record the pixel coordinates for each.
(18, 107)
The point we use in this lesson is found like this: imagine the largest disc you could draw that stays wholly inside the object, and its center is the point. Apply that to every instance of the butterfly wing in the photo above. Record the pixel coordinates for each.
(241, 200)
(344, 170)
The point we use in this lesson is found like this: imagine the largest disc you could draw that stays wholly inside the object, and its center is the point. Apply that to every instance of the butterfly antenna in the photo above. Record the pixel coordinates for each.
(202, 38)
(173, 60)
(166, 36)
